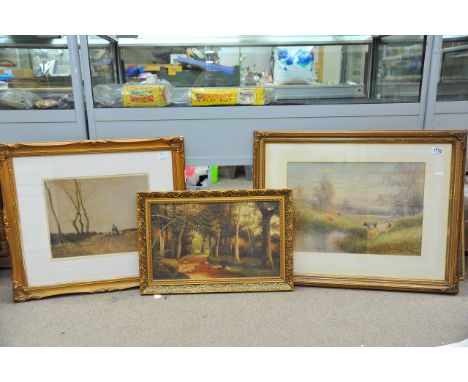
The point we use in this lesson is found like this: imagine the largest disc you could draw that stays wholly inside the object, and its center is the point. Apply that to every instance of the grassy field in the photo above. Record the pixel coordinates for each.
(404, 237)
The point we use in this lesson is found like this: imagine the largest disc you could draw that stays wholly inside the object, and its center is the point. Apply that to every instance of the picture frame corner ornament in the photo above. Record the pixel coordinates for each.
(6, 152)
(20, 293)
(259, 135)
(451, 288)
(462, 135)
(177, 144)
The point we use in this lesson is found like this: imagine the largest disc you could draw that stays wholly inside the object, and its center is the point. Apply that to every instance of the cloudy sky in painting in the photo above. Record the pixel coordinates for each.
(108, 200)
(360, 183)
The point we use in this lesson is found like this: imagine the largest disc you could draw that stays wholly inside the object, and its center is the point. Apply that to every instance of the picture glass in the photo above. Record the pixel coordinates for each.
(358, 207)
(361, 209)
(93, 216)
(92, 197)
(215, 240)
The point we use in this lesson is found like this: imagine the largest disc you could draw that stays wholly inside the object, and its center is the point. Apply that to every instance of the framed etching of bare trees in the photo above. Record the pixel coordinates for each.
(215, 241)
(372, 209)
(70, 210)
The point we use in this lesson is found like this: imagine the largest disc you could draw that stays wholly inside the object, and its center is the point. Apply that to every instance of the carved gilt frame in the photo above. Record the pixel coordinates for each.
(454, 264)
(148, 285)
(22, 291)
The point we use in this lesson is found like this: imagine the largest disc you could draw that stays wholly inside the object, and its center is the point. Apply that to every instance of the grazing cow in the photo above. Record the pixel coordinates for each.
(376, 228)
(373, 233)
(384, 227)
(330, 219)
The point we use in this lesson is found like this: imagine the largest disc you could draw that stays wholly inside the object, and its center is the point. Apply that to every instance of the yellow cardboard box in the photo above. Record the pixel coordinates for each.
(144, 96)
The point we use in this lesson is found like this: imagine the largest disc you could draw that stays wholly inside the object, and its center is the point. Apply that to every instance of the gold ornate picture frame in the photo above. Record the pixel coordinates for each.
(215, 241)
(70, 210)
(4, 251)
(373, 209)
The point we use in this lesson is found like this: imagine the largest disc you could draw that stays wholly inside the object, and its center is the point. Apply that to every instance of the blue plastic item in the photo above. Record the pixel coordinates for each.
(206, 66)
(133, 69)
(6, 77)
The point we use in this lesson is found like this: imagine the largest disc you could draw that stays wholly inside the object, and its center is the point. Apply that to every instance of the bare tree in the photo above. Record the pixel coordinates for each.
(79, 195)
(324, 193)
(74, 193)
(54, 213)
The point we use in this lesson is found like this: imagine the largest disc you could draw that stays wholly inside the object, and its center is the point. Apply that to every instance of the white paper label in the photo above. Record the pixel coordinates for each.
(437, 150)
(246, 97)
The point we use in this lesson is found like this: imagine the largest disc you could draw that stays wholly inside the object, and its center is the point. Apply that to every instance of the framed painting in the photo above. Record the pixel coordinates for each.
(70, 210)
(215, 241)
(372, 209)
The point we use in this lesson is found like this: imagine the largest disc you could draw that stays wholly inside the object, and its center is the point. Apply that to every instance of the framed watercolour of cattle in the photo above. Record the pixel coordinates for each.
(372, 209)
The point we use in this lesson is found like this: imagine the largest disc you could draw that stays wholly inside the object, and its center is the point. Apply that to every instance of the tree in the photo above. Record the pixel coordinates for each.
(407, 183)
(236, 240)
(74, 193)
(324, 193)
(54, 214)
(299, 193)
(251, 223)
(267, 209)
(161, 221)
(182, 226)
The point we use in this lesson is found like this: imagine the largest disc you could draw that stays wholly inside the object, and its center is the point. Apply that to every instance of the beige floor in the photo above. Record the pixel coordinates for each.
(305, 317)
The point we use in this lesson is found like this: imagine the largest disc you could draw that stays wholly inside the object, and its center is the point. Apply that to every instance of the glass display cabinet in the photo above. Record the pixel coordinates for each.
(450, 83)
(34, 76)
(286, 71)
(453, 81)
(41, 96)
(215, 91)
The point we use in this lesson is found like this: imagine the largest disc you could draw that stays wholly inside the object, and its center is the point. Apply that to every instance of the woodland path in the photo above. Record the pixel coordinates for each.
(198, 267)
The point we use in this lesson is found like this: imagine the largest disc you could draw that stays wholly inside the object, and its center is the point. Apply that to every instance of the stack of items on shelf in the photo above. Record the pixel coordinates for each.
(362, 209)
(161, 93)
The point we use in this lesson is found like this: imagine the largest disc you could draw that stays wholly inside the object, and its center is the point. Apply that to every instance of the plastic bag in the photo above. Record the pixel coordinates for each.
(230, 96)
(17, 99)
(108, 95)
(294, 65)
(150, 93)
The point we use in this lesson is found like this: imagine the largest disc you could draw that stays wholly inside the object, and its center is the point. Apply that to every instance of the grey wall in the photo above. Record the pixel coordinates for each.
(39, 125)
(223, 135)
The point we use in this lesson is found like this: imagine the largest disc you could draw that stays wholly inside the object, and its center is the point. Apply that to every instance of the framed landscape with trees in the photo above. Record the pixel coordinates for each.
(70, 210)
(215, 241)
(372, 209)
